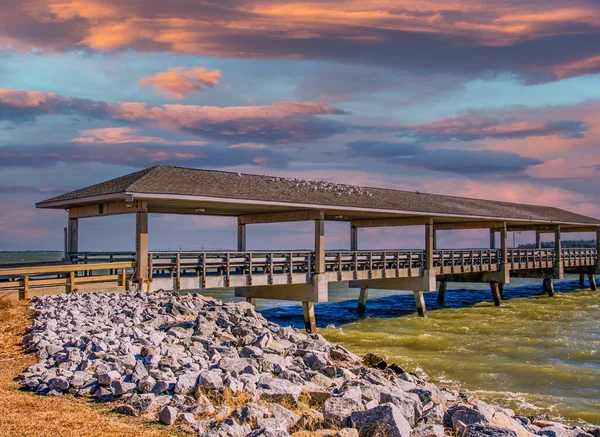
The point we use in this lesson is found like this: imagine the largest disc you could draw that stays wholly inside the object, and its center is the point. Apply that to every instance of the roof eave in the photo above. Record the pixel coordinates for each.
(60, 204)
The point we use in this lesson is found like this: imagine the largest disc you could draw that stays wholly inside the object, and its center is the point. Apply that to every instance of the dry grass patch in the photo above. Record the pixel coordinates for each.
(26, 414)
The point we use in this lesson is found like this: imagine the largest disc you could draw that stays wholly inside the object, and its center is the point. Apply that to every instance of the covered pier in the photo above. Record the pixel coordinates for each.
(304, 275)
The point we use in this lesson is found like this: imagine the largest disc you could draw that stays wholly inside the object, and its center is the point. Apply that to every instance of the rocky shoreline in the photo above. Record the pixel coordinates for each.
(221, 369)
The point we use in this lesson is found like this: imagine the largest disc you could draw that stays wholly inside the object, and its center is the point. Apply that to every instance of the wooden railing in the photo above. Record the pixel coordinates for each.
(23, 279)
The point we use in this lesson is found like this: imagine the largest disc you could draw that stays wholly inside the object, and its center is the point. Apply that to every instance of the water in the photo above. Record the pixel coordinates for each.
(535, 354)
(29, 257)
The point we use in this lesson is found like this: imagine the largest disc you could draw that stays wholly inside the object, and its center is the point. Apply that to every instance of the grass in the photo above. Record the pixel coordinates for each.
(26, 414)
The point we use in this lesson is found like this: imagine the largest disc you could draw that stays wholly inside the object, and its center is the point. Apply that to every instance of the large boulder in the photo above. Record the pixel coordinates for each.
(337, 410)
(382, 421)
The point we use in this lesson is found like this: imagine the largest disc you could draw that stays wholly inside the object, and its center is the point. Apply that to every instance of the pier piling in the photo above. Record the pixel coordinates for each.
(420, 300)
(495, 287)
(442, 292)
(362, 300)
(310, 322)
(581, 280)
(592, 280)
(548, 286)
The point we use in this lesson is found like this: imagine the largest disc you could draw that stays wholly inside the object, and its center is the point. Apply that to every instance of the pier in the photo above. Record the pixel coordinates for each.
(303, 276)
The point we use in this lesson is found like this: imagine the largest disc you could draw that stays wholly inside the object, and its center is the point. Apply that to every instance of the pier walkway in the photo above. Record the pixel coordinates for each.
(304, 275)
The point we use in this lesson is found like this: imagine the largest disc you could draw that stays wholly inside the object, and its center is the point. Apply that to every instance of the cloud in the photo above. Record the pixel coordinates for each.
(180, 83)
(467, 162)
(125, 135)
(537, 40)
(136, 155)
(27, 189)
(280, 122)
(381, 149)
(475, 126)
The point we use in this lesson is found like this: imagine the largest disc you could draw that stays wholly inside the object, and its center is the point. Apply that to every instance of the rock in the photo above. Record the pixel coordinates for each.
(120, 388)
(408, 403)
(467, 416)
(250, 412)
(337, 410)
(59, 383)
(316, 360)
(435, 415)
(427, 430)
(483, 430)
(186, 383)
(126, 410)
(347, 432)
(278, 390)
(372, 360)
(105, 379)
(168, 415)
(210, 379)
(556, 431)
(384, 421)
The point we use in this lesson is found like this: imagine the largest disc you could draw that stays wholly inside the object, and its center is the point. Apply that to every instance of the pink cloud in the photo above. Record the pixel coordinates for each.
(125, 135)
(495, 31)
(179, 83)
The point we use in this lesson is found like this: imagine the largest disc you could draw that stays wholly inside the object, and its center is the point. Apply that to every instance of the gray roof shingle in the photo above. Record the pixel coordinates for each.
(211, 183)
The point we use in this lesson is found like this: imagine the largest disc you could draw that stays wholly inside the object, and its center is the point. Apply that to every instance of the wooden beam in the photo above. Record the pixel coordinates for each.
(496, 293)
(468, 225)
(538, 240)
(549, 229)
(362, 300)
(310, 322)
(280, 217)
(442, 293)
(396, 221)
(101, 209)
(420, 301)
(558, 265)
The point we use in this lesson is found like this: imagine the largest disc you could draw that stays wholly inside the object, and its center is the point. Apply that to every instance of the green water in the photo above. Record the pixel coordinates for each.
(535, 354)
(29, 257)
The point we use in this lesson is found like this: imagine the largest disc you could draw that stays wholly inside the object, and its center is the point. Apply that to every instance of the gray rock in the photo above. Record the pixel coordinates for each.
(483, 430)
(126, 410)
(408, 403)
(186, 383)
(427, 430)
(468, 416)
(105, 379)
(59, 383)
(385, 420)
(347, 432)
(337, 411)
(120, 388)
(278, 390)
(210, 379)
(168, 415)
(250, 412)
(557, 431)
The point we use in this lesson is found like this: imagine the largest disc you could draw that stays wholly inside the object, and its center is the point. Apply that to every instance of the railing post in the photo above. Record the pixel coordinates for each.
(123, 277)
(178, 271)
(25, 287)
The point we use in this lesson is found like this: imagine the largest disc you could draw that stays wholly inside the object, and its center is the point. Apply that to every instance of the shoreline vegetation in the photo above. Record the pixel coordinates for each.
(200, 366)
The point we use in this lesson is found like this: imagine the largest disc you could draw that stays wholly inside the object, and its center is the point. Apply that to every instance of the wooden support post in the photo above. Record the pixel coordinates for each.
(141, 245)
(178, 271)
(496, 293)
(124, 278)
(429, 246)
(558, 266)
(435, 243)
(420, 301)
(25, 294)
(492, 239)
(442, 293)
(241, 238)
(251, 300)
(581, 280)
(72, 288)
(319, 246)
(310, 322)
(73, 244)
(353, 238)
(548, 286)
(538, 240)
(501, 289)
(66, 243)
(592, 280)
(504, 246)
(362, 300)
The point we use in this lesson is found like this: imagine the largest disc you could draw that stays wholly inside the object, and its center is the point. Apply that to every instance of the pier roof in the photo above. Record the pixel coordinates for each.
(192, 191)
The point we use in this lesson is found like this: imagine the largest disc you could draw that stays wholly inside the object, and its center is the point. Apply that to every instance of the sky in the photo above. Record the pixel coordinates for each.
(494, 99)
